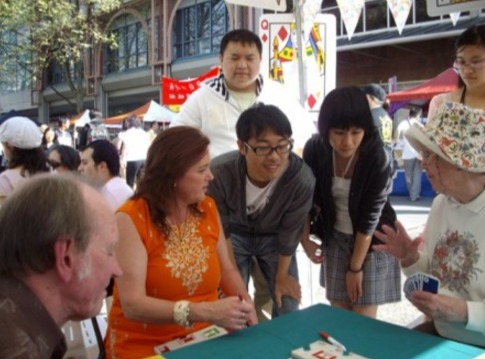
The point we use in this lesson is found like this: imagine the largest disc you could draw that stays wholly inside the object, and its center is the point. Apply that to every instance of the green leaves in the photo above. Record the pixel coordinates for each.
(36, 32)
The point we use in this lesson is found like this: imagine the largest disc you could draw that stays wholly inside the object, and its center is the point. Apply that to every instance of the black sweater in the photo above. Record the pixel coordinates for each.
(371, 184)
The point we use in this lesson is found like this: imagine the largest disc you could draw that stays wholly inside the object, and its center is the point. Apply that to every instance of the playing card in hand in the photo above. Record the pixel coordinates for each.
(421, 281)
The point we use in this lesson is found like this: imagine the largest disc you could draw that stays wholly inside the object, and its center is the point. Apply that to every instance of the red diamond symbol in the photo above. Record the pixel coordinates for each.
(283, 33)
(264, 38)
(311, 101)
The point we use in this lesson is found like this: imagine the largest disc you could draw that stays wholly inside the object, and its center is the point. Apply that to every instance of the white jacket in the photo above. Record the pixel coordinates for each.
(212, 110)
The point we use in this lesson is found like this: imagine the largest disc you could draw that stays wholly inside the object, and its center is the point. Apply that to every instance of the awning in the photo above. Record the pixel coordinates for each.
(447, 81)
(151, 111)
(80, 119)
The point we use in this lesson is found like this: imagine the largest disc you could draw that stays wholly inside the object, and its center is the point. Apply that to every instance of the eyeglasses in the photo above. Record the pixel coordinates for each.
(461, 64)
(54, 164)
(268, 150)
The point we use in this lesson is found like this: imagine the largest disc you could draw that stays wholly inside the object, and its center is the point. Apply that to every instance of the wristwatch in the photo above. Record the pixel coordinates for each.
(181, 312)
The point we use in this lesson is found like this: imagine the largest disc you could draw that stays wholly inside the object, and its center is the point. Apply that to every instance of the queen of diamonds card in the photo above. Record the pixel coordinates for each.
(282, 56)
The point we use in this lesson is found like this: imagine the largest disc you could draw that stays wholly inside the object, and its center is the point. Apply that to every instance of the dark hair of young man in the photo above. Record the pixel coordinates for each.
(260, 118)
(105, 151)
(241, 36)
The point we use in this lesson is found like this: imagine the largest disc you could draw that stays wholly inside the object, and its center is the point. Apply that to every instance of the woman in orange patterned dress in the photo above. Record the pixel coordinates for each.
(173, 254)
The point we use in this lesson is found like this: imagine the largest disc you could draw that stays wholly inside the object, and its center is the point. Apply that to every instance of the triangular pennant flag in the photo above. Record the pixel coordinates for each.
(454, 16)
(400, 12)
(309, 9)
(350, 11)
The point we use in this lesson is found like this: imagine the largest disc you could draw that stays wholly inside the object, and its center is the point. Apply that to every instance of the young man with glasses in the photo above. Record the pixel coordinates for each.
(264, 192)
(215, 107)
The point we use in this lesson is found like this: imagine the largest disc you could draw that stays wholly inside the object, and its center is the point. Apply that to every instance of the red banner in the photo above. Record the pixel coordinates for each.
(175, 92)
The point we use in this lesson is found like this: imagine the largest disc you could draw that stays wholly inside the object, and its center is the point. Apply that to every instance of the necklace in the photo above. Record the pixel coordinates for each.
(347, 167)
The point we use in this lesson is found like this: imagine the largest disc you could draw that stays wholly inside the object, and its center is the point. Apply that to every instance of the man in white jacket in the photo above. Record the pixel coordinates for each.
(215, 107)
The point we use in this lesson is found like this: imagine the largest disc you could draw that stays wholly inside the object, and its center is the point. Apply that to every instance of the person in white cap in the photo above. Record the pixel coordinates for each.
(452, 147)
(21, 140)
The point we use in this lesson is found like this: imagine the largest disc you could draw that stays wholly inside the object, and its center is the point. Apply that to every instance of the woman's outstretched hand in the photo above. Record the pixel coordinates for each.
(398, 243)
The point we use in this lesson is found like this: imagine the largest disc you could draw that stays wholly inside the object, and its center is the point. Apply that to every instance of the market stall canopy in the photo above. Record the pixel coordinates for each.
(80, 119)
(151, 111)
(447, 81)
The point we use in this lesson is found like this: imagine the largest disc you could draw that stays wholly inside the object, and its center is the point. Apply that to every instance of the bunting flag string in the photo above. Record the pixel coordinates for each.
(454, 16)
(400, 12)
(350, 12)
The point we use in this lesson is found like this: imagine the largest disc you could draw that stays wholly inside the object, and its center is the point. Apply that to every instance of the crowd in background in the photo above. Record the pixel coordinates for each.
(62, 144)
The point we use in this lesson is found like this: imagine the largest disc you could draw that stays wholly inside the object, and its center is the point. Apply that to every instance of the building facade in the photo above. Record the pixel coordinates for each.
(180, 39)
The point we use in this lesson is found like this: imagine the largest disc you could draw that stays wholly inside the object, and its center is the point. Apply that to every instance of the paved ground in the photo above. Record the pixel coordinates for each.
(413, 215)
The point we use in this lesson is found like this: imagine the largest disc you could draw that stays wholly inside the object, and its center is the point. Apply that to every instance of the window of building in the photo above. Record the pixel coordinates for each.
(199, 27)
(14, 69)
(157, 40)
(56, 72)
(375, 16)
(421, 12)
(132, 46)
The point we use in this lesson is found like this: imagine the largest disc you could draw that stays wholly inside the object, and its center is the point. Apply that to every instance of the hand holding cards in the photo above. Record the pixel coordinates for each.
(421, 281)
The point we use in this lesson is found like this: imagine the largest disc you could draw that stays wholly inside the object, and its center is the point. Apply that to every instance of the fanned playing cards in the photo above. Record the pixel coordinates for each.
(421, 281)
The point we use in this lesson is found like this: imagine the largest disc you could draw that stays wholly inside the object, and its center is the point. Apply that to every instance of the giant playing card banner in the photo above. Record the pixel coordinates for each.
(280, 55)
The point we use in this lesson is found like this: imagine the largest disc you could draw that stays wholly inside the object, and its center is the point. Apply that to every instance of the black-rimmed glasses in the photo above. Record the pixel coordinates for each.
(268, 150)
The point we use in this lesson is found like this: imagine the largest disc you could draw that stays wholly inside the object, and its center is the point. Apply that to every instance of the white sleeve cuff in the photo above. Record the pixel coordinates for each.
(476, 316)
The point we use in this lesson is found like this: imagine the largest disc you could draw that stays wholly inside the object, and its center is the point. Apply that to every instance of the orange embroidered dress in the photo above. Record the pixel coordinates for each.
(183, 266)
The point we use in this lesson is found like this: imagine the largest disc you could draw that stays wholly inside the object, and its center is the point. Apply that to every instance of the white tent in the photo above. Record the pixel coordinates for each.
(81, 119)
(150, 111)
(157, 112)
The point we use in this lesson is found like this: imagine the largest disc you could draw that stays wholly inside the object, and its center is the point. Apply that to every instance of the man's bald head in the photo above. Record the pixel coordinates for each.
(46, 209)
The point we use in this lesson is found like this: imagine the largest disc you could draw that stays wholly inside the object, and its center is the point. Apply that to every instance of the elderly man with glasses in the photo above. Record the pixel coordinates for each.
(264, 193)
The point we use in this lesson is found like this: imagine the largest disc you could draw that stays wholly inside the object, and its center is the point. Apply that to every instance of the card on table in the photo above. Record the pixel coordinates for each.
(421, 281)
(210, 332)
(323, 350)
